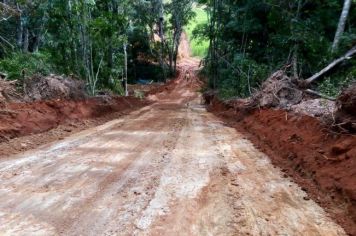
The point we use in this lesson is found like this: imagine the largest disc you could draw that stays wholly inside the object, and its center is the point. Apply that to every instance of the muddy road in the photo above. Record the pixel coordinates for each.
(170, 168)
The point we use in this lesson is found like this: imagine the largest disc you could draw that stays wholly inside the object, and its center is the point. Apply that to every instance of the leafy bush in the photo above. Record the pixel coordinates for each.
(332, 86)
(241, 77)
(295, 35)
(19, 64)
(117, 87)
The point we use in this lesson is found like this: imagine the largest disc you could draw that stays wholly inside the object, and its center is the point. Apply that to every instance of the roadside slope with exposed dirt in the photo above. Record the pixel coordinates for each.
(25, 126)
(170, 168)
(317, 158)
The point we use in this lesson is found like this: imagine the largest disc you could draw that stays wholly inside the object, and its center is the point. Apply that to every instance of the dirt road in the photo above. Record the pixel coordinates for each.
(170, 168)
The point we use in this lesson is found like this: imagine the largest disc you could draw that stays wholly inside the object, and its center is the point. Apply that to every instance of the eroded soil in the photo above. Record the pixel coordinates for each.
(25, 126)
(170, 168)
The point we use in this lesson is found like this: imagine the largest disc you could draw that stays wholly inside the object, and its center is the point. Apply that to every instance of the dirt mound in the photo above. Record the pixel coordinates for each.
(8, 91)
(168, 86)
(346, 109)
(142, 88)
(281, 92)
(50, 87)
(322, 162)
(22, 119)
(319, 107)
(277, 91)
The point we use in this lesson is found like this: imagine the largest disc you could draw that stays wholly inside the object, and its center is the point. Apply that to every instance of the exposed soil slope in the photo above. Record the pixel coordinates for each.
(346, 109)
(322, 162)
(20, 119)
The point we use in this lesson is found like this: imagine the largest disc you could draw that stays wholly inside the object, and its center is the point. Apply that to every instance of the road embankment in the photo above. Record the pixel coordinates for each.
(319, 160)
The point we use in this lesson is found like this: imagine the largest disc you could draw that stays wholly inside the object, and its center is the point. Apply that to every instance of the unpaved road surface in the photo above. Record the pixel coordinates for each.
(170, 168)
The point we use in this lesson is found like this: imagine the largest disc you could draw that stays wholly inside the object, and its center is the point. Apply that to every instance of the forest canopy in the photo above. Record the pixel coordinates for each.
(92, 38)
(244, 41)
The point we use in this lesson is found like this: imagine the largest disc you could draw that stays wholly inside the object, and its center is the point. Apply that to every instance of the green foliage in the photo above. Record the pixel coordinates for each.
(199, 45)
(332, 86)
(240, 82)
(85, 38)
(19, 64)
(116, 87)
(178, 13)
(242, 41)
(294, 34)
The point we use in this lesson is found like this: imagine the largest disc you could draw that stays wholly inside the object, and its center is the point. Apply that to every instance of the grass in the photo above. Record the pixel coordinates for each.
(199, 47)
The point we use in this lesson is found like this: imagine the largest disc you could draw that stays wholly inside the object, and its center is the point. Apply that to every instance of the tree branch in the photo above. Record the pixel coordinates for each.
(347, 56)
(7, 42)
(312, 92)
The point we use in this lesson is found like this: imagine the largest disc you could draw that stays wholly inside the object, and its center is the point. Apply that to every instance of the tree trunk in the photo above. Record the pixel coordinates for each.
(341, 26)
(38, 35)
(296, 43)
(110, 56)
(295, 61)
(347, 56)
(161, 35)
(110, 6)
(125, 53)
(36, 43)
(212, 47)
(312, 92)
(19, 29)
(176, 48)
(25, 40)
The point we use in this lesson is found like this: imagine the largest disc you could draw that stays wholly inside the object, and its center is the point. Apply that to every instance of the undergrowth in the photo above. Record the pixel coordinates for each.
(333, 85)
(19, 65)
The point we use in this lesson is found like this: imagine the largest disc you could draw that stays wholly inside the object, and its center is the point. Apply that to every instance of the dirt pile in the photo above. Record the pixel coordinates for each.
(319, 107)
(346, 109)
(8, 91)
(322, 162)
(281, 92)
(51, 87)
(277, 91)
(168, 86)
(22, 119)
(144, 88)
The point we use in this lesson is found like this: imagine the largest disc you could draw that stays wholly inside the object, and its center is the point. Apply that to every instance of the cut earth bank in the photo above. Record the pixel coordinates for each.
(322, 162)
(24, 126)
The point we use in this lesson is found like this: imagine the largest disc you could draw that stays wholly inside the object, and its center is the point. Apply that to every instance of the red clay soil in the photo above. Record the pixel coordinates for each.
(168, 86)
(20, 119)
(321, 162)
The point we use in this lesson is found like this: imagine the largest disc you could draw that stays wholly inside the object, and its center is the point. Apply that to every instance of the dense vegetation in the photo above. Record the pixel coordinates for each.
(199, 46)
(241, 42)
(249, 39)
(89, 38)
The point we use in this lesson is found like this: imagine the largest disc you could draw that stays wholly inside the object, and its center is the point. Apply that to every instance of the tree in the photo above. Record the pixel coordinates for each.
(87, 37)
(165, 19)
(159, 8)
(181, 12)
(341, 25)
(249, 39)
